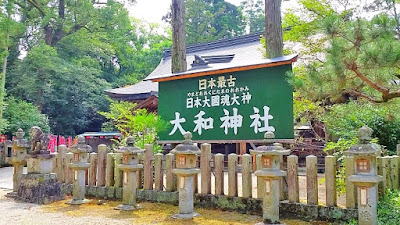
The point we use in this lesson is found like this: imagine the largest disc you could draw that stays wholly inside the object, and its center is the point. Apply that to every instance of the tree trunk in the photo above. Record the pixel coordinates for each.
(178, 37)
(273, 28)
(3, 78)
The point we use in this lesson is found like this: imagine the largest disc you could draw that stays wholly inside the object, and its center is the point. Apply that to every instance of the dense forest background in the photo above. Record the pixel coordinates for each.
(58, 56)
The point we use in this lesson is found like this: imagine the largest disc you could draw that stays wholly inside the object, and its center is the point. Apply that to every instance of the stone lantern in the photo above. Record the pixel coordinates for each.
(186, 169)
(130, 165)
(365, 176)
(79, 165)
(271, 175)
(18, 160)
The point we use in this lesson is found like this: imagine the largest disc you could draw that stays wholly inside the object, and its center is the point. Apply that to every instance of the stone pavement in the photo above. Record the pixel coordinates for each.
(6, 181)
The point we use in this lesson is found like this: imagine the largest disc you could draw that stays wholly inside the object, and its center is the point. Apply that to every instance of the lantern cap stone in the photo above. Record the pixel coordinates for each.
(365, 148)
(20, 134)
(365, 134)
(270, 147)
(130, 148)
(21, 142)
(187, 147)
(81, 147)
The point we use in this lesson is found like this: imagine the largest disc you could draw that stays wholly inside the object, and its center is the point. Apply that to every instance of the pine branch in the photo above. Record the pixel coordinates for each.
(362, 95)
(35, 4)
(353, 67)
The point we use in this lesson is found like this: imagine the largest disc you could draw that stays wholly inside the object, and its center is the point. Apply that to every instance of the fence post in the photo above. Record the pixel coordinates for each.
(148, 167)
(60, 156)
(394, 171)
(293, 179)
(55, 163)
(312, 180)
(232, 175)
(110, 170)
(382, 170)
(398, 149)
(158, 172)
(118, 173)
(101, 164)
(247, 165)
(92, 169)
(169, 176)
(351, 191)
(385, 172)
(330, 180)
(70, 172)
(260, 182)
(205, 168)
(219, 173)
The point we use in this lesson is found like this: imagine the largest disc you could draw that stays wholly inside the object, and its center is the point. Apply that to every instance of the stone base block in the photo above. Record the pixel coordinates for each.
(12, 194)
(128, 207)
(77, 202)
(40, 189)
(265, 223)
(186, 216)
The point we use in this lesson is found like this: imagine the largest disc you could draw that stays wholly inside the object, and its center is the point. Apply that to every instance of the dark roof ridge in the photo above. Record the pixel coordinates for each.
(248, 38)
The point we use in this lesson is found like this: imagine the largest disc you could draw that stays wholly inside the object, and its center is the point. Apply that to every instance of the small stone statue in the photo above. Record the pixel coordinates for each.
(39, 141)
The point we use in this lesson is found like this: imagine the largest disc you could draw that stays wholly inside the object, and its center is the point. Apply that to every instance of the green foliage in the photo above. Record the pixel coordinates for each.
(137, 123)
(353, 57)
(76, 50)
(21, 114)
(209, 20)
(389, 208)
(255, 15)
(344, 120)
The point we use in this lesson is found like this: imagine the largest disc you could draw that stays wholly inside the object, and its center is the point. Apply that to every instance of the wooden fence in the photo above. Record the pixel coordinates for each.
(233, 175)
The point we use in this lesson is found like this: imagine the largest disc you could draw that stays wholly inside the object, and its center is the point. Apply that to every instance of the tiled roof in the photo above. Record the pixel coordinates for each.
(247, 50)
(142, 87)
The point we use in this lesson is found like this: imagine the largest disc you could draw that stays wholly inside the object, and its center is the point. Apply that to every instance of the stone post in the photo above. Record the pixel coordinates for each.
(260, 182)
(351, 197)
(169, 176)
(365, 176)
(385, 172)
(312, 180)
(62, 149)
(130, 165)
(394, 172)
(186, 169)
(271, 174)
(219, 174)
(101, 165)
(398, 149)
(330, 180)
(232, 175)
(148, 167)
(158, 172)
(18, 159)
(118, 173)
(293, 179)
(69, 175)
(79, 166)
(110, 170)
(92, 169)
(247, 183)
(205, 168)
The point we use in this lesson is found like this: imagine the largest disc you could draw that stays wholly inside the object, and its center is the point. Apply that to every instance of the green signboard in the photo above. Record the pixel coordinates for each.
(235, 106)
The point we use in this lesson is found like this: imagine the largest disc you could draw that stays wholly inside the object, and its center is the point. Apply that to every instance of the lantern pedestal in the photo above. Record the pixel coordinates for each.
(78, 192)
(186, 192)
(129, 187)
(365, 177)
(270, 198)
(17, 176)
